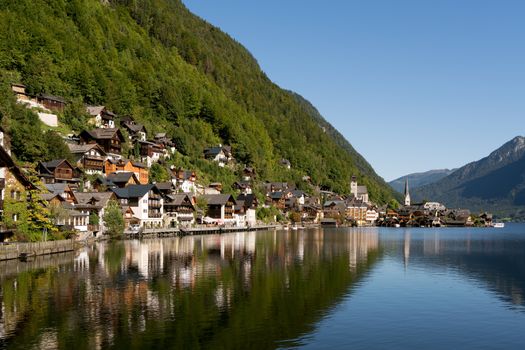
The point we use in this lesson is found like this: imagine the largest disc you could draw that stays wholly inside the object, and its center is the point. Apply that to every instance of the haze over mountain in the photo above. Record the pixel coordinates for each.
(175, 73)
(495, 183)
(417, 180)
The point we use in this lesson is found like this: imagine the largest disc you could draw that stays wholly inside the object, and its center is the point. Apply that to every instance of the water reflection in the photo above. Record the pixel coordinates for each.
(494, 258)
(237, 290)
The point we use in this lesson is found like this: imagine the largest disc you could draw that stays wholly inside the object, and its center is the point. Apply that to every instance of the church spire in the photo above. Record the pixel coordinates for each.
(407, 194)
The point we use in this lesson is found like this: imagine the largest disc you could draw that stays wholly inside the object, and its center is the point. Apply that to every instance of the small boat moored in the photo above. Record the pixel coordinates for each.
(498, 225)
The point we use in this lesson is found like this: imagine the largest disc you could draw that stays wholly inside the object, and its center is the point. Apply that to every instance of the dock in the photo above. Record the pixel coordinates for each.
(171, 232)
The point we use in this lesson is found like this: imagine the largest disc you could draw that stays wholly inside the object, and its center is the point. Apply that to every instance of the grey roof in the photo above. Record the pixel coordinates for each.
(164, 186)
(134, 127)
(100, 198)
(53, 163)
(276, 195)
(178, 199)
(133, 191)
(52, 98)
(74, 148)
(247, 200)
(138, 164)
(160, 135)
(94, 110)
(103, 133)
(298, 193)
(120, 177)
(50, 196)
(218, 199)
(56, 188)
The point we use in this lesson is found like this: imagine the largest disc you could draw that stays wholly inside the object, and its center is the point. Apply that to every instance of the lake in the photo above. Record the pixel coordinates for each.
(337, 288)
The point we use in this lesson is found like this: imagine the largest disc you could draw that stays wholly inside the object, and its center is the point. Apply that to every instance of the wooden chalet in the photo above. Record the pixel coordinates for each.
(59, 170)
(109, 139)
(90, 157)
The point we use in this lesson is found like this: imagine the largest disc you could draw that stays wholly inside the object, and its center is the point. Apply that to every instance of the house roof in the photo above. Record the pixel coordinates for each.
(160, 135)
(97, 199)
(49, 196)
(103, 133)
(179, 199)
(214, 151)
(56, 188)
(138, 164)
(52, 164)
(133, 191)
(134, 127)
(164, 186)
(81, 149)
(276, 195)
(94, 110)
(52, 98)
(218, 199)
(248, 200)
(121, 177)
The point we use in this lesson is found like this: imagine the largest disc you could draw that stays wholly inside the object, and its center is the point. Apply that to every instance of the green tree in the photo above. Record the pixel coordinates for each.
(113, 219)
(158, 173)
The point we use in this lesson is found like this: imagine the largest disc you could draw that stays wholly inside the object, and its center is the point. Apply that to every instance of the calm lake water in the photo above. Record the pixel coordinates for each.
(373, 288)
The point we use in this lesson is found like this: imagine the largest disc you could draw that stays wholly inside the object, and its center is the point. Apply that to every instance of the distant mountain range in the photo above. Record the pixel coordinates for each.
(417, 180)
(495, 183)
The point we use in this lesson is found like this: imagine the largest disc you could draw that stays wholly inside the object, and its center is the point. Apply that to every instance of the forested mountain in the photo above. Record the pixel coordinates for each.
(495, 183)
(417, 180)
(172, 71)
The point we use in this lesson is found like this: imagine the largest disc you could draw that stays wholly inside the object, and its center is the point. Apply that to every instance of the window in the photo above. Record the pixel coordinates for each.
(15, 217)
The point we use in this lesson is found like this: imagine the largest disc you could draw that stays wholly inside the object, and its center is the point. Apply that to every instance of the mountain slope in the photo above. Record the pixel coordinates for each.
(496, 183)
(417, 180)
(173, 72)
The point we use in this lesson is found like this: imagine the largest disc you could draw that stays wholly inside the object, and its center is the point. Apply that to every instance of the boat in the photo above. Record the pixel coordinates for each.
(498, 225)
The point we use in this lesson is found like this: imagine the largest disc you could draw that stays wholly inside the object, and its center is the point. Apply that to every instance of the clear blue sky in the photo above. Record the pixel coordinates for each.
(414, 85)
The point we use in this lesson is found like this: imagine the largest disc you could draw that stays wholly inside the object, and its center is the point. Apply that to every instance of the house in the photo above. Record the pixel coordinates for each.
(53, 103)
(58, 170)
(285, 163)
(220, 208)
(277, 199)
(278, 187)
(356, 211)
(169, 145)
(165, 188)
(179, 210)
(312, 213)
(249, 204)
(334, 208)
(126, 165)
(123, 179)
(29, 101)
(90, 157)
(372, 214)
(101, 117)
(184, 180)
(74, 219)
(136, 131)
(150, 152)
(222, 155)
(110, 140)
(13, 187)
(359, 192)
(243, 186)
(214, 188)
(94, 203)
(62, 190)
(145, 202)
(248, 174)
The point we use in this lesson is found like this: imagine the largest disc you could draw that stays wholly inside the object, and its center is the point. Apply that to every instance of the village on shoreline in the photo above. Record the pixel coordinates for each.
(74, 197)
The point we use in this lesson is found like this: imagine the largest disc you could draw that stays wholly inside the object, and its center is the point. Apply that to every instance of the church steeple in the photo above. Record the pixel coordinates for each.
(407, 194)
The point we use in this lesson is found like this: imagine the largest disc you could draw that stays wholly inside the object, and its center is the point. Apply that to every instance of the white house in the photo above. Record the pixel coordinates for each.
(145, 202)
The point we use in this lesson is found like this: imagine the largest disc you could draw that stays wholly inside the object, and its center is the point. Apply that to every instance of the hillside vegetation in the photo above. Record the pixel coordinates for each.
(173, 72)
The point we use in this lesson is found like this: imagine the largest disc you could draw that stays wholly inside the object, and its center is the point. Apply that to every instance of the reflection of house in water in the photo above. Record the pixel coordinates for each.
(81, 261)
(360, 242)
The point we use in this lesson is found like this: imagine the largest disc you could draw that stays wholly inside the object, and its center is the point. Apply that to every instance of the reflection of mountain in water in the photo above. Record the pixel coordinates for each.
(498, 263)
(234, 290)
